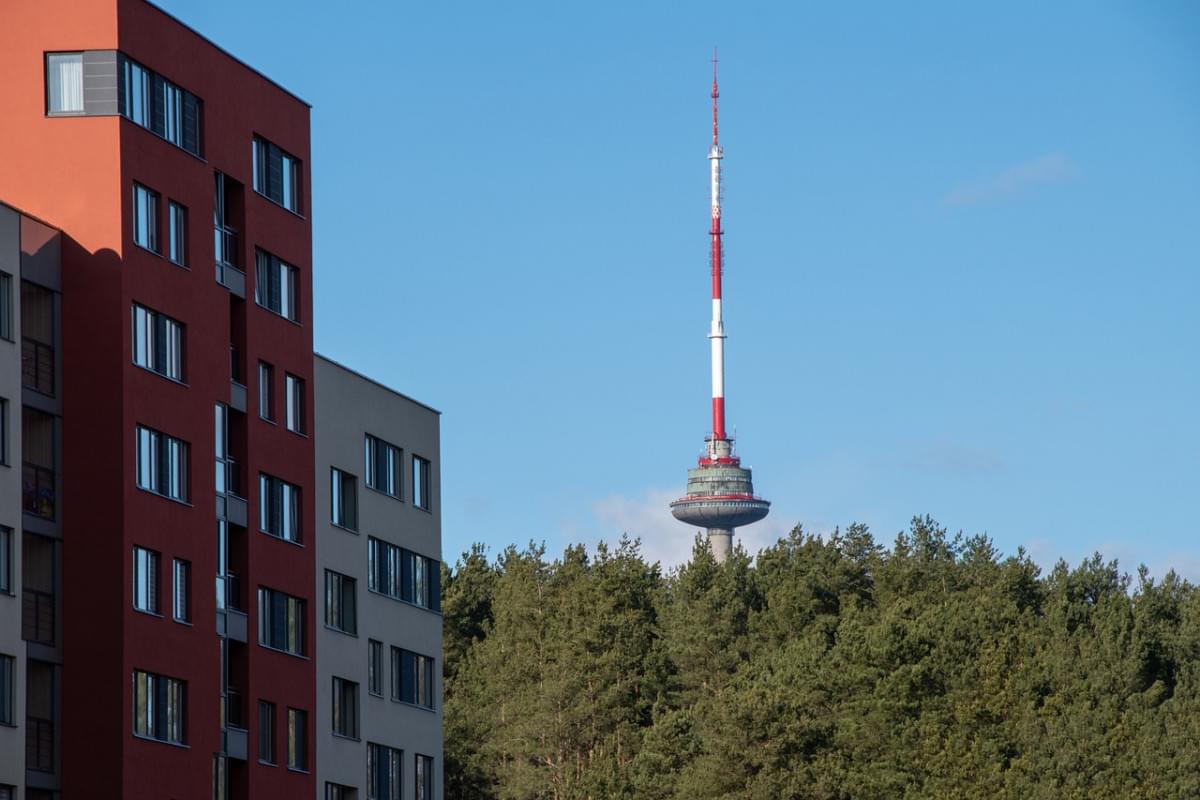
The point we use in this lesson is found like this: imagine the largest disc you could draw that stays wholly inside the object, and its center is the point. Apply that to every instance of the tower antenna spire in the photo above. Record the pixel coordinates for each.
(720, 494)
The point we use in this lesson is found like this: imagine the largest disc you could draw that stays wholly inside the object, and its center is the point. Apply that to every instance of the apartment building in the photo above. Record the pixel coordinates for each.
(167, 551)
(379, 711)
(30, 507)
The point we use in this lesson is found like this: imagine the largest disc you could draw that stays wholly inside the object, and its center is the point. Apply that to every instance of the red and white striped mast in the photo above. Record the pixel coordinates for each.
(716, 335)
(720, 491)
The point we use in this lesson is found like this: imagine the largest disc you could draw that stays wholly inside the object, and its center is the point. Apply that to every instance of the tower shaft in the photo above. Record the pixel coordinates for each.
(716, 333)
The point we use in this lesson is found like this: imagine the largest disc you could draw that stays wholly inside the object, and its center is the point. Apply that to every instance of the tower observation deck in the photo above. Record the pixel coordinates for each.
(720, 492)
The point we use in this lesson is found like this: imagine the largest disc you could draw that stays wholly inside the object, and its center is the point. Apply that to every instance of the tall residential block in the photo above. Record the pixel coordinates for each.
(166, 537)
(379, 668)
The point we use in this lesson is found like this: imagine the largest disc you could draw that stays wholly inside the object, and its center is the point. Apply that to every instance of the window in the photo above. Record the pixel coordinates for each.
(182, 594)
(345, 708)
(266, 393)
(383, 466)
(6, 306)
(297, 739)
(412, 678)
(8, 678)
(3, 431)
(340, 612)
(276, 174)
(383, 772)
(151, 101)
(334, 791)
(162, 464)
(39, 588)
(424, 778)
(177, 233)
(6, 540)
(275, 285)
(145, 580)
(266, 732)
(157, 343)
(145, 217)
(375, 667)
(279, 508)
(343, 501)
(294, 393)
(403, 574)
(280, 621)
(420, 483)
(158, 707)
(64, 83)
(37, 337)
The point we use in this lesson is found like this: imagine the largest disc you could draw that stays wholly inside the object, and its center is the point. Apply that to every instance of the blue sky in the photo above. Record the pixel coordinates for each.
(963, 248)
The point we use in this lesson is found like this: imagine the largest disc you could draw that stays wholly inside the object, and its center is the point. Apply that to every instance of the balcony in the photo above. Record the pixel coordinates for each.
(37, 617)
(225, 248)
(230, 504)
(237, 388)
(37, 365)
(39, 744)
(37, 490)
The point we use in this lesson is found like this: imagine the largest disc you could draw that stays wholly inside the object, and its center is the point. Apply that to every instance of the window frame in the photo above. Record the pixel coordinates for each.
(422, 490)
(294, 405)
(158, 337)
(181, 604)
(392, 456)
(76, 56)
(292, 625)
(266, 733)
(340, 615)
(297, 721)
(177, 233)
(150, 725)
(151, 232)
(263, 155)
(394, 770)
(375, 667)
(266, 391)
(162, 446)
(342, 513)
(7, 317)
(147, 569)
(280, 502)
(344, 708)
(6, 561)
(276, 285)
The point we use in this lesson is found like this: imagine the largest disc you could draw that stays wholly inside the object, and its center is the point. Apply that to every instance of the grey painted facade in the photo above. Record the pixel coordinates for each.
(349, 407)
(30, 252)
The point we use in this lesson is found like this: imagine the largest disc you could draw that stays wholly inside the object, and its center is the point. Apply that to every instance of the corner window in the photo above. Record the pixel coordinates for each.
(6, 306)
(279, 508)
(420, 484)
(158, 707)
(64, 83)
(340, 602)
(145, 217)
(276, 174)
(280, 621)
(8, 678)
(275, 285)
(383, 466)
(157, 343)
(343, 499)
(162, 464)
(145, 580)
(293, 389)
(424, 778)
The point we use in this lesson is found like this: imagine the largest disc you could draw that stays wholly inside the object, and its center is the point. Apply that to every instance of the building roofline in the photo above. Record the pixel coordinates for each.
(27, 215)
(257, 72)
(369, 379)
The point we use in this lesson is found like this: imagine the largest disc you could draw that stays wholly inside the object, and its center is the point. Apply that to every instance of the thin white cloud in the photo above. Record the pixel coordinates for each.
(664, 538)
(1047, 169)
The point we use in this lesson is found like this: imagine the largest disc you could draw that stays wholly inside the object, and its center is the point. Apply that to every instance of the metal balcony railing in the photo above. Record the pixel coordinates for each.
(39, 744)
(37, 365)
(37, 616)
(37, 490)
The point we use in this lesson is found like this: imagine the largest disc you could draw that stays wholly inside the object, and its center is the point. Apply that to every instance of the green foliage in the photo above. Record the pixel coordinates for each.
(824, 669)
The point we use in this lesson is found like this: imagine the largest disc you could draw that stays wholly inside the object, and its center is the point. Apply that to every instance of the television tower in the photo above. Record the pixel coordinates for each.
(720, 494)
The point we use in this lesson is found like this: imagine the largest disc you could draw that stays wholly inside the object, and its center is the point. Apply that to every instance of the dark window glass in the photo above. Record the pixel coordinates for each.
(158, 707)
(345, 708)
(266, 732)
(340, 611)
(280, 621)
(297, 739)
(343, 499)
(276, 174)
